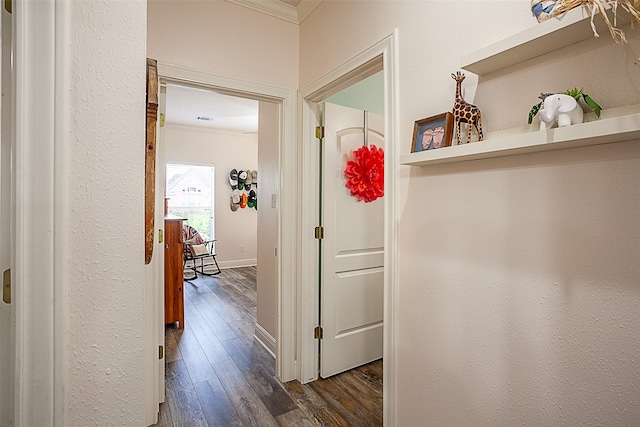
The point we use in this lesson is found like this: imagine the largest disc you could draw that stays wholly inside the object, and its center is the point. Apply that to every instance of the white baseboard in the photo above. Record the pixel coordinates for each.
(238, 263)
(265, 338)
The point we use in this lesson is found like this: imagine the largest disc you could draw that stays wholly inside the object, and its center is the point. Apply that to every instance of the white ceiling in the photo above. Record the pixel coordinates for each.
(227, 113)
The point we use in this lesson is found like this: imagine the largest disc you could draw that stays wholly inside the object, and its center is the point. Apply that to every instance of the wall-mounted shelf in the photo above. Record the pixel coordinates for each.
(552, 34)
(603, 131)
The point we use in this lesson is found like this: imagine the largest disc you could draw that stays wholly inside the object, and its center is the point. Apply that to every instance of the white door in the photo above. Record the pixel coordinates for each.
(352, 250)
(7, 310)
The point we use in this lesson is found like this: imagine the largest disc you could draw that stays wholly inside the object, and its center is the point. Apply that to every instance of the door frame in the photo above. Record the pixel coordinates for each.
(381, 56)
(41, 63)
(287, 200)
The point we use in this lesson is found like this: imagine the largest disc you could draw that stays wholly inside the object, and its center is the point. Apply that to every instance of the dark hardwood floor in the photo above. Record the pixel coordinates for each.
(217, 374)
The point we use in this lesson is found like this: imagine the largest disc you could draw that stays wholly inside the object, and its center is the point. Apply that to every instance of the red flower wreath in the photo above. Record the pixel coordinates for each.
(365, 173)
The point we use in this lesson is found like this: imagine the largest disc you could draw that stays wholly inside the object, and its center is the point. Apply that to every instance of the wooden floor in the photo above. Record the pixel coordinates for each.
(217, 374)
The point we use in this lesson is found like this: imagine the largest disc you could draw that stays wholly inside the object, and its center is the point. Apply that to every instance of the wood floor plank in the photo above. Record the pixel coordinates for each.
(343, 403)
(216, 323)
(239, 352)
(181, 397)
(209, 342)
(244, 330)
(223, 307)
(295, 418)
(362, 396)
(194, 357)
(268, 388)
(313, 405)
(235, 313)
(246, 402)
(218, 409)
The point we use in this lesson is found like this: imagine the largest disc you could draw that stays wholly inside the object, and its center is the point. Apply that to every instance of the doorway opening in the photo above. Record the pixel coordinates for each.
(379, 57)
(279, 200)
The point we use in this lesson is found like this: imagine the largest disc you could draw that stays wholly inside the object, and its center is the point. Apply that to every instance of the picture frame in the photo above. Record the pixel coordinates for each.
(439, 130)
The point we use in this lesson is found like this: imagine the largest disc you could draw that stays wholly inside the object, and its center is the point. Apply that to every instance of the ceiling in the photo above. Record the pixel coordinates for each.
(205, 108)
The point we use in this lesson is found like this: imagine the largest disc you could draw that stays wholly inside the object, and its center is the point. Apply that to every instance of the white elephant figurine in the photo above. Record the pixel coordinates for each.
(560, 108)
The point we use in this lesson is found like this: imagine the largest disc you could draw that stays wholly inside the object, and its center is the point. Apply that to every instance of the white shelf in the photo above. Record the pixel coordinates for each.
(603, 131)
(548, 36)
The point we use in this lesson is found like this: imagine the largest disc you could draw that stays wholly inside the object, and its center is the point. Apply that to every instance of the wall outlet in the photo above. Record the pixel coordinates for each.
(241, 248)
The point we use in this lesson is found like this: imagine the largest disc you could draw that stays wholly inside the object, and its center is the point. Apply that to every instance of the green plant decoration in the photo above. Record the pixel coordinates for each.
(576, 93)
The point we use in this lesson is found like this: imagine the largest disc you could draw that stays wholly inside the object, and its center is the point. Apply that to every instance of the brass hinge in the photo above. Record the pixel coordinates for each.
(161, 120)
(6, 286)
(319, 232)
(160, 236)
(8, 6)
(160, 352)
(317, 332)
(319, 132)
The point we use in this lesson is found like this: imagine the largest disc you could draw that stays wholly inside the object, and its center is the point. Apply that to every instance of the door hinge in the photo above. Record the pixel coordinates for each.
(161, 120)
(319, 232)
(319, 132)
(160, 352)
(317, 332)
(6, 286)
(8, 6)
(160, 236)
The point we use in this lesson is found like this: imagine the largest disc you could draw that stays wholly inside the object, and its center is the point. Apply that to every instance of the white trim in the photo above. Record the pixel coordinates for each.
(287, 202)
(61, 202)
(41, 90)
(274, 8)
(346, 74)
(265, 339)
(305, 7)
(279, 9)
(250, 262)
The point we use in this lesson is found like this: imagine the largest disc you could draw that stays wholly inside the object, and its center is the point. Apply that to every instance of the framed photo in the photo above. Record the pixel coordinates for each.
(433, 132)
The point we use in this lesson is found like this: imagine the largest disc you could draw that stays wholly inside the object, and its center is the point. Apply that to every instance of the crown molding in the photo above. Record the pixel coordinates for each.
(305, 7)
(280, 9)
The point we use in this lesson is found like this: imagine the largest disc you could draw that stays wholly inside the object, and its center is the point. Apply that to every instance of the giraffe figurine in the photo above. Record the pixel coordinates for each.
(463, 112)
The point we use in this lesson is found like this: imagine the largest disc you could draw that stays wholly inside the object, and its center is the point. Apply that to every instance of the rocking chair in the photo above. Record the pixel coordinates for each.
(199, 254)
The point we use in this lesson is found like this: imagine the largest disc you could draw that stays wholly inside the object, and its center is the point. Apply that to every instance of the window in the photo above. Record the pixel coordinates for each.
(190, 190)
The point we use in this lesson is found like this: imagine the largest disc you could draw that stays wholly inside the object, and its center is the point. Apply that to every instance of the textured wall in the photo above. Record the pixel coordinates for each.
(104, 340)
(519, 277)
(225, 151)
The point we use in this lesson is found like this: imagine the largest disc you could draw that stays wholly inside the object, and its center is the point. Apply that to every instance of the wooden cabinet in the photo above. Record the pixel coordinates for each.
(173, 271)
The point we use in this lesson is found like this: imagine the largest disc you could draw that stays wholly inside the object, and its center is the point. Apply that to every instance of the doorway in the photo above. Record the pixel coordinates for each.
(379, 57)
(282, 199)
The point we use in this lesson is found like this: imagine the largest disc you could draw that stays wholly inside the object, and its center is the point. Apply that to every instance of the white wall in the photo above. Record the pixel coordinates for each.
(225, 151)
(104, 298)
(518, 281)
(225, 39)
(268, 165)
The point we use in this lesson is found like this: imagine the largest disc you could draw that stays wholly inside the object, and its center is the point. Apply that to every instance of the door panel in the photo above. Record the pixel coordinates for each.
(352, 250)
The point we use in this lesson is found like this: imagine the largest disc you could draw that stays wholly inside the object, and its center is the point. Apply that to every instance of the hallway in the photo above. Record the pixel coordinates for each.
(218, 375)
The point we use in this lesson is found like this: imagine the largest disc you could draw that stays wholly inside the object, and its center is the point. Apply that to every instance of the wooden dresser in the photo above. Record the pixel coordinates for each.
(173, 271)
